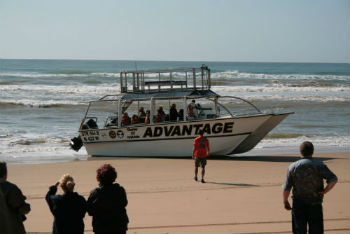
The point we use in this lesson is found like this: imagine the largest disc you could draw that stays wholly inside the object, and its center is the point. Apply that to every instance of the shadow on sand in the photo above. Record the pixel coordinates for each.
(256, 158)
(232, 184)
(267, 158)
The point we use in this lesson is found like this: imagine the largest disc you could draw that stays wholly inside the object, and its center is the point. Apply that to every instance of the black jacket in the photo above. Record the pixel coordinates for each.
(173, 114)
(68, 210)
(12, 208)
(106, 204)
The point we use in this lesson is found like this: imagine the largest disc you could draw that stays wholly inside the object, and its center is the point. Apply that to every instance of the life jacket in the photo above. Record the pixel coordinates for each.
(135, 119)
(125, 120)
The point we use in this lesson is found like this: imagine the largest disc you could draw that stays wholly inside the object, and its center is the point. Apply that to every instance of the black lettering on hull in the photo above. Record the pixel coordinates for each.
(187, 130)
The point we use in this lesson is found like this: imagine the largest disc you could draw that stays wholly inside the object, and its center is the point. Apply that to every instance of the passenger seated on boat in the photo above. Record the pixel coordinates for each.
(161, 113)
(141, 115)
(125, 119)
(158, 118)
(91, 124)
(181, 114)
(148, 117)
(135, 119)
(192, 110)
(173, 113)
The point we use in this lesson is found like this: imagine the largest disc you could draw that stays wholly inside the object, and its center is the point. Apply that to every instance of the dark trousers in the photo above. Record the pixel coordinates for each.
(304, 214)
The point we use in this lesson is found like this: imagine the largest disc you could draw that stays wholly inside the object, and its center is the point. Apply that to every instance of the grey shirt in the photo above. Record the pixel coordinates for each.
(306, 177)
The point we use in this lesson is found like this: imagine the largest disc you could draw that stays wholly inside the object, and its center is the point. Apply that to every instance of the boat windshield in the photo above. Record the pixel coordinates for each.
(115, 113)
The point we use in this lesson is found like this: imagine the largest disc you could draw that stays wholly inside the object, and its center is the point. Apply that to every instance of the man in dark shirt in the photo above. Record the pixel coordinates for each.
(306, 177)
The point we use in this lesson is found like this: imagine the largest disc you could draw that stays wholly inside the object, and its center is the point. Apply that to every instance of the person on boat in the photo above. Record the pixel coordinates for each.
(306, 176)
(125, 119)
(135, 119)
(148, 117)
(192, 109)
(200, 153)
(181, 114)
(141, 115)
(160, 117)
(173, 113)
(68, 209)
(13, 207)
(107, 203)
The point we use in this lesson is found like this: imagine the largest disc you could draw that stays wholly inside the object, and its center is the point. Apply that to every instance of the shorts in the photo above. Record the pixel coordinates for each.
(200, 162)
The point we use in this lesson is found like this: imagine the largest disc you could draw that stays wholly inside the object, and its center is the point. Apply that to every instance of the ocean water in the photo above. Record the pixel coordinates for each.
(43, 101)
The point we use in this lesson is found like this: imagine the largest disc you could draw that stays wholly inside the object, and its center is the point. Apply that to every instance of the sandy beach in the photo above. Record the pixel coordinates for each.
(242, 195)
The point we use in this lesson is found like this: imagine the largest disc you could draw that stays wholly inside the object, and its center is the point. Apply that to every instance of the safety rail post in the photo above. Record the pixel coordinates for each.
(194, 78)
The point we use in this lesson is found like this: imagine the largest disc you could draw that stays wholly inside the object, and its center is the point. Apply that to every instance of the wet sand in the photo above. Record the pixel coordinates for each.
(242, 195)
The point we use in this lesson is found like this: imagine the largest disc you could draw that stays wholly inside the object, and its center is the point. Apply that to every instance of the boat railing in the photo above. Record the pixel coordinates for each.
(148, 81)
(246, 101)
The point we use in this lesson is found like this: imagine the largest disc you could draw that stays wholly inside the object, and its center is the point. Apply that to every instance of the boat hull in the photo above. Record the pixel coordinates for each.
(176, 139)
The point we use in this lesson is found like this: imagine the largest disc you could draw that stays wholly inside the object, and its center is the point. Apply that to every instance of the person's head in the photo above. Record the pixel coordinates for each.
(106, 174)
(201, 132)
(173, 106)
(67, 183)
(3, 170)
(193, 101)
(307, 149)
(141, 109)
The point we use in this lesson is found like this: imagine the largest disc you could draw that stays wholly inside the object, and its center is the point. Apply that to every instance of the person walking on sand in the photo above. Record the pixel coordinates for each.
(200, 153)
(13, 207)
(68, 209)
(106, 204)
(306, 177)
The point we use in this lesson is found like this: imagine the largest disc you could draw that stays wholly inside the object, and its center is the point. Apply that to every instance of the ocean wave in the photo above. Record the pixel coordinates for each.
(64, 74)
(282, 135)
(229, 75)
(332, 141)
(64, 89)
(285, 93)
(41, 104)
(281, 88)
(30, 142)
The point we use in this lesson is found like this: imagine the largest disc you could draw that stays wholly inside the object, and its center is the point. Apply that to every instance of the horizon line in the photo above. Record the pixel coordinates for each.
(165, 60)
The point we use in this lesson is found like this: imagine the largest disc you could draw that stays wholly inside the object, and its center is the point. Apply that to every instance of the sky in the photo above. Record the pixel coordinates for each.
(177, 30)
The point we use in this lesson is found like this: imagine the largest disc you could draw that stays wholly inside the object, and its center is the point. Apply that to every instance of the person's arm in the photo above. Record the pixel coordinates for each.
(16, 201)
(194, 148)
(82, 207)
(328, 187)
(208, 148)
(330, 178)
(91, 203)
(50, 196)
(287, 186)
(285, 200)
(124, 197)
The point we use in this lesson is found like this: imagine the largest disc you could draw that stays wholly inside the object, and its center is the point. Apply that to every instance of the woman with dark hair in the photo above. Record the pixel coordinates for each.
(106, 203)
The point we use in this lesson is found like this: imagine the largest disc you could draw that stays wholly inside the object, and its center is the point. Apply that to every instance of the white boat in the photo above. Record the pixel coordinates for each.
(233, 128)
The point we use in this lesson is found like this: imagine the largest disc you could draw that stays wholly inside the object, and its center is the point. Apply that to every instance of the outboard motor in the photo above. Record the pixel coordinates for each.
(76, 143)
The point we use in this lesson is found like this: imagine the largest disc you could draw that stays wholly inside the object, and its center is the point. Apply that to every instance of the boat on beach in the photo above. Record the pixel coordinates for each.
(160, 112)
